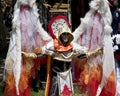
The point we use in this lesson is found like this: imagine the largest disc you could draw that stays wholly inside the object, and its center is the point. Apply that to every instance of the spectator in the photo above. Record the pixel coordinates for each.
(116, 20)
(116, 45)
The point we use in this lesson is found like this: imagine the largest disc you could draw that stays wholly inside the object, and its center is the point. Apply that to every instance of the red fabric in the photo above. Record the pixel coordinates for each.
(92, 86)
(27, 92)
(117, 56)
(90, 79)
(37, 63)
(110, 88)
(78, 65)
(24, 83)
(59, 47)
(66, 91)
(10, 89)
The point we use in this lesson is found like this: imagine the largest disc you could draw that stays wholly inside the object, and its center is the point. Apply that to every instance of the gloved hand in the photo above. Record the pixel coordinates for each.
(29, 55)
(95, 52)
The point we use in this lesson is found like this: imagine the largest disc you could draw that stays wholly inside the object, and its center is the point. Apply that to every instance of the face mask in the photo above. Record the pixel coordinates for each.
(64, 38)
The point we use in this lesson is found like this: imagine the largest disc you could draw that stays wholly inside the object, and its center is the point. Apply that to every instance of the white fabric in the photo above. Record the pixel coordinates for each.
(98, 91)
(65, 78)
(102, 7)
(76, 50)
(13, 59)
(20, 39)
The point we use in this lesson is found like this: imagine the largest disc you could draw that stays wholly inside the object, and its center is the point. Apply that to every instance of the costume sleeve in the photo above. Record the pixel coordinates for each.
(79, 49)
(48, 49)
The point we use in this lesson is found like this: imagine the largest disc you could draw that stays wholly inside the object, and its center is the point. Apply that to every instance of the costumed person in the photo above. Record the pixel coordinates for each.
(27, 34)
(62, 49)
(116, 46)
(98, 77)
(116, 20)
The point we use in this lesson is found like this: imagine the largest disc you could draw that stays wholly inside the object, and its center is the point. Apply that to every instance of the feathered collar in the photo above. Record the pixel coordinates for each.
(99, 5)
(25, 2)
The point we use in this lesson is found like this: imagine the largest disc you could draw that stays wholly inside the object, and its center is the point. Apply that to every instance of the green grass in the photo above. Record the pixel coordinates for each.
(40, 93)
(1, 90)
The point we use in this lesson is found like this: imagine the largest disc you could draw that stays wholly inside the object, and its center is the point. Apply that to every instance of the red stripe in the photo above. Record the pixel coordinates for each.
(117, 56)
(91, 32)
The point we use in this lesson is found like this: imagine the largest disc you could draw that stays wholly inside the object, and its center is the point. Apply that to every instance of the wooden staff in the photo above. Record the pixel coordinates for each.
(47, 89)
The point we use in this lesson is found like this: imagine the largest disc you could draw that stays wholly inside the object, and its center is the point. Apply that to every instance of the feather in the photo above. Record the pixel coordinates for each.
(24, 29)
(102, 8)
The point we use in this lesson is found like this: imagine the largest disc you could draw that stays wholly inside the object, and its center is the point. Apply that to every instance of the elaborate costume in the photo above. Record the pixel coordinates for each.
(62, 49)
(65, 50)
(94, 32)
(27, 34)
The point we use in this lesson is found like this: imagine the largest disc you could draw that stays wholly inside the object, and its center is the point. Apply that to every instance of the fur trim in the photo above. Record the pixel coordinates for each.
(26, 2)
(108, 29)
(99, 5)
(102, 7)
(42, 32)
(15, 45)
(82, 27)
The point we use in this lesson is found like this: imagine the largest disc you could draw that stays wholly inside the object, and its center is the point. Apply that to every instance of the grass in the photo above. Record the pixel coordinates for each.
(39, 93)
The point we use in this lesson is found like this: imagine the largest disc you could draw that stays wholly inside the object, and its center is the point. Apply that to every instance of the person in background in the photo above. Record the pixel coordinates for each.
(116, 20)
(116, 45)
